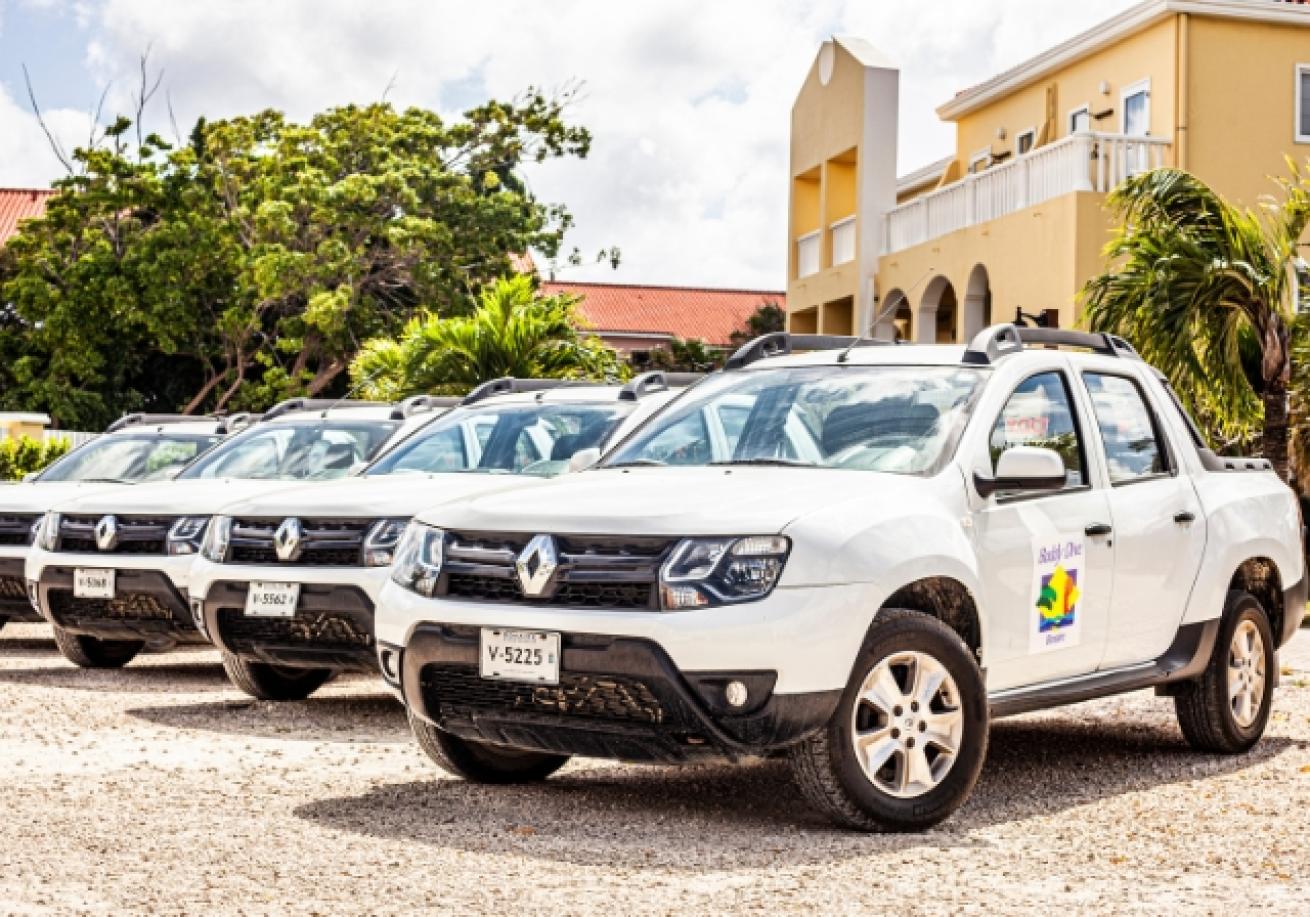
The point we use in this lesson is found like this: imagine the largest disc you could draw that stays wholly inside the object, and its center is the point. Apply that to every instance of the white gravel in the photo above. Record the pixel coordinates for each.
(161, 789)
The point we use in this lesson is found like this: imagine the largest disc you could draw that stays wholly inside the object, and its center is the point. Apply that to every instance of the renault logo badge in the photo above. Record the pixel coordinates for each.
(107, 533)
(537, 564)
(287, 540)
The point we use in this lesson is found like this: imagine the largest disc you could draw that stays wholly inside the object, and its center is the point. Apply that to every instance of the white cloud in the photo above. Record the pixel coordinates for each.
(26, 157)
(688, 99)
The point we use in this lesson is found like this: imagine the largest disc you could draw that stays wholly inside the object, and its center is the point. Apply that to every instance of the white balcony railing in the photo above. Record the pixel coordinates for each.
(1083, 162)
(807, 254)
(843, 241)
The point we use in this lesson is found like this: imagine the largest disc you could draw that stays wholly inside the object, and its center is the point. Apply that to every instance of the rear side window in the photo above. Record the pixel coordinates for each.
(1040, 413)
(1132, 443)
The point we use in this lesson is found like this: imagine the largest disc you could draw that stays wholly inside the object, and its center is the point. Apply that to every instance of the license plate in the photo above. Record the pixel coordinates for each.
(520, 655)
(93, 584)
(272, 600)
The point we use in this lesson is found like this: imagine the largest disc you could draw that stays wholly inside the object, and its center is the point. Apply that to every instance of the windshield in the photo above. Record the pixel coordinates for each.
(129, 458)
(535, 439)
(308, 450)
(902, 419)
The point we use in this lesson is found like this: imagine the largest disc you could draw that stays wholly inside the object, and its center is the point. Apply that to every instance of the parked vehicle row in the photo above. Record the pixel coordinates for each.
(850, 554)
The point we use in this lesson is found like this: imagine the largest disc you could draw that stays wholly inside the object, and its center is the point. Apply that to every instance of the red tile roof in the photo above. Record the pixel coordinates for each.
(685, 312)
(18, 204)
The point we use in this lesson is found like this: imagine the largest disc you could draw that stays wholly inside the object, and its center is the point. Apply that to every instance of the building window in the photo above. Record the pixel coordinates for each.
(843, 241)
(1025, 141)
(1303, 103)
(980, 161)
(807, 254)
(1080, 119)
(1136, 101)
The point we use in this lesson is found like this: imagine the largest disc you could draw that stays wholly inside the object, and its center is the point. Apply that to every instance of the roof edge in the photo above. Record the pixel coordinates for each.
(924, 175)
(658, 286)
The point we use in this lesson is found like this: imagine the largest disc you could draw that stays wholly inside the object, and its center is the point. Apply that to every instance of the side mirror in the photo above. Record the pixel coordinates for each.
(1024, 468)
(584, 459)
(356, 468)
(30, 476)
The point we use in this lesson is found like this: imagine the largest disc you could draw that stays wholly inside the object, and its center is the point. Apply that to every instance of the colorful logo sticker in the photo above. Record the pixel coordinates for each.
(1057, 591)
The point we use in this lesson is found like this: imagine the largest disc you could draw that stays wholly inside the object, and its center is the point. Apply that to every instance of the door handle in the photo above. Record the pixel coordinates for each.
(1185, 517)
(1098, 528)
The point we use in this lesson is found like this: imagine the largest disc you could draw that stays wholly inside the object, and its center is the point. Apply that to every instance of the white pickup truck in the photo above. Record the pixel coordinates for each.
(891, 546)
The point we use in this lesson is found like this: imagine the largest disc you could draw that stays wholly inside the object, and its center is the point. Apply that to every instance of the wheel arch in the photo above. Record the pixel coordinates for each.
(947, 599)
(1261, 577)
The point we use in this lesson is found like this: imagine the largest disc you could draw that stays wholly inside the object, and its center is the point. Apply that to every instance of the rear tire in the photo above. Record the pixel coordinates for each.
(1227, 708)
(480, 762)
(263, 681)
(907, 742)
(94, 653)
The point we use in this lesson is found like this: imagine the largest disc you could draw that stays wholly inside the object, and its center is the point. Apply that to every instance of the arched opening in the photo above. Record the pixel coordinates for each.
(935, 321)
(893, 318)
(977, 302)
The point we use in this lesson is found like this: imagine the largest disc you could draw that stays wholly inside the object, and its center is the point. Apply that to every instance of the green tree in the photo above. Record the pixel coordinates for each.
(769, 317)
(1204, 290)
(25, 455)
(686, 355)
(512, 332)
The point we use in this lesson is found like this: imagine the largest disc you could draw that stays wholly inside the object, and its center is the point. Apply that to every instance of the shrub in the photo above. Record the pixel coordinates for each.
(24, 455)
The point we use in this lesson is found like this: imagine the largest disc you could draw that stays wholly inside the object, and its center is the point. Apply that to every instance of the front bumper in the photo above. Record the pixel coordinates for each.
(147, 606)
(15, 605)
(618, 697)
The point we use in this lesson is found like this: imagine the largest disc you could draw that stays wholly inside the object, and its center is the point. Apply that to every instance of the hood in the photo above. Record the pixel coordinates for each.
(169, 498)
(38, 497)
(738, 500)
(394, 496)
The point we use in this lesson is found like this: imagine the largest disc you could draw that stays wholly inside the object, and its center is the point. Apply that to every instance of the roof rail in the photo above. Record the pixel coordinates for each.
(295, 405)
(508, 385)
(238, 421)
(781, 343)
(150, 420)
(657, 380)
(416, 404)
(991, 344)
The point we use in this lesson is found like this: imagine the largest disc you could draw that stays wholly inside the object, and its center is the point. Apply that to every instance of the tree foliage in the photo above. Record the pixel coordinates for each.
(512, 332)
(685, 355)
(769, 317)
(1203, 289)
(24, 455)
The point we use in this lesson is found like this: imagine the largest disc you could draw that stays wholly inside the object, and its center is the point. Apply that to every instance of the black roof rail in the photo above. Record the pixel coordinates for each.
(151, 420)
(415, 404)
(508, 385)
(295, 405)
(656, 380)
(781, 343)
(238, 421)
(990, 344)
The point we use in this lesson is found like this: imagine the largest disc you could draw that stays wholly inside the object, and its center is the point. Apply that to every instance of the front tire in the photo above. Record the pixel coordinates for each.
(1227, 708)
(94, 653)
(480, 762)
(263, 681)
(907, 742)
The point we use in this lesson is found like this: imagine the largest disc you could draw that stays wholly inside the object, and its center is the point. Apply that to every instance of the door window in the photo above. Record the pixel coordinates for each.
(1040, 413)
(1128, 430)
(1080, 120)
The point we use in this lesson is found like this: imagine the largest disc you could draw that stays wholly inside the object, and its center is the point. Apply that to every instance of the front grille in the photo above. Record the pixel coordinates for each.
(11, 587)
(16, 528)
(136, 534)
(455, 690)
(322, 630)
(136, 606)
(325, 542)
(594, 571)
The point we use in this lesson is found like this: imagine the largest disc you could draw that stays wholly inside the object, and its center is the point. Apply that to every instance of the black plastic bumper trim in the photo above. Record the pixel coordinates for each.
(16, 609)
(179, 628)
(1294, 602)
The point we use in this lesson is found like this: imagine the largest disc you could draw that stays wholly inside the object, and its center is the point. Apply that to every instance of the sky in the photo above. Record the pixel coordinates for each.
(688, 100)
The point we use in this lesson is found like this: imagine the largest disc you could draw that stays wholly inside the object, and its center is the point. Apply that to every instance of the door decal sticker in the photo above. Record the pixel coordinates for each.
(1058, 587)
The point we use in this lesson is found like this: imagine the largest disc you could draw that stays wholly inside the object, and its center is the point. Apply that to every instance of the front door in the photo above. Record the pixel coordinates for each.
(1046, 572)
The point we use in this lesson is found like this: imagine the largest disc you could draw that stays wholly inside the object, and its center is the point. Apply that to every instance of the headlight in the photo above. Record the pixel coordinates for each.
(186, 534)
(47, 536)
(418, 558)
(722, 571)
(217, 540)
(380, 543)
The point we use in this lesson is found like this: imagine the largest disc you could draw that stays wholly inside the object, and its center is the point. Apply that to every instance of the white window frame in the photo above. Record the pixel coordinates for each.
(1085, 108)
(1297, 136)
(1132, 89)
(1029, 132)
(979, 156)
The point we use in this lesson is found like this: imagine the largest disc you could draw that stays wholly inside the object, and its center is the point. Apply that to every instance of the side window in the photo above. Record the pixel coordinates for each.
(733, 418)
(1132, 445)
(1039, 413)
(687, 442)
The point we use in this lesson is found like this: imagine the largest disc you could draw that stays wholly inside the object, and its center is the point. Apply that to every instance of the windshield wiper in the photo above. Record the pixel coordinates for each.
(104, 481)
(637, 463)
(786, 463)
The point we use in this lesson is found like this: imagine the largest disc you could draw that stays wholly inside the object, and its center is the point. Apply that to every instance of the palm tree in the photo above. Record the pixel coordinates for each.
(510, 333)
(1204, 290)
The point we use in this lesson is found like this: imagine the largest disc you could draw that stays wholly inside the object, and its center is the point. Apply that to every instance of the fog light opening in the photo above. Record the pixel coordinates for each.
(735, 694)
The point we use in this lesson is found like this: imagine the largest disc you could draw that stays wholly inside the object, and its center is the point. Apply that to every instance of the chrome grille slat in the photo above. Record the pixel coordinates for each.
(324, 542)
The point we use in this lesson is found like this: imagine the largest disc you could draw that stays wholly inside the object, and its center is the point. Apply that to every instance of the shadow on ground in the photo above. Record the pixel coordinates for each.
(723, 816)
(135, 678)
(351, 718)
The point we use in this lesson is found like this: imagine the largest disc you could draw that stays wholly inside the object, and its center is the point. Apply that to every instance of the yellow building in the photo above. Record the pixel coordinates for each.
(1015, 218)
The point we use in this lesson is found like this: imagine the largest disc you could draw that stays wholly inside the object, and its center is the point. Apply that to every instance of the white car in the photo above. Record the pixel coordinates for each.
(287, 582)
(135, 448)
(109, 568)
(897, 544)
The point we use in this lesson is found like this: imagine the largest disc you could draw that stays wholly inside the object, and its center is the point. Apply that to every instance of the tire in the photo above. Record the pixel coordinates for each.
(263, 681)
(94, 653)
(3, 622)
(480, 762)
(1211, 718)
(828, 769)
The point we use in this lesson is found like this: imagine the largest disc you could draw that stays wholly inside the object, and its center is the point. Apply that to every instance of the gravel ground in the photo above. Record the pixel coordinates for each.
(159, 788)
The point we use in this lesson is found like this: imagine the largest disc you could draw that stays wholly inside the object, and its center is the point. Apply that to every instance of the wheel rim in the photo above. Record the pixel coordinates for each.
(1246, 673)
(907, 724)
